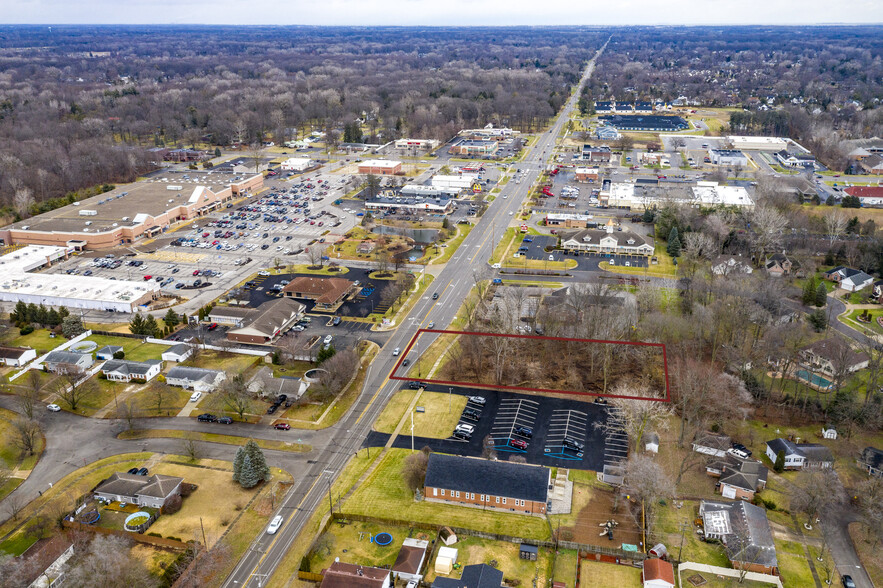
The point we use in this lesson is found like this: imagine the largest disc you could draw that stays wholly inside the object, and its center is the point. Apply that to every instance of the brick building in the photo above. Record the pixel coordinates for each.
(380, 167)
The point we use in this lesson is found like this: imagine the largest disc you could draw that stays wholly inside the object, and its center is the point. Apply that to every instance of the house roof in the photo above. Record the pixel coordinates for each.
(836, 350)
(109, 350)
(844, 272)
(123, 484)
(713, 440)
(746, 532)
(657, 569)
(324, 290)
(134, 368)
(594, 237)
(272, 316)
(746, 474)
(12, 352)
(232, 311)
(474, 576)
(66, 357)
(193, 374)
(179, 349)
(264, 381)
(865, 191)
(498, 478)
(347, 575)
(410, 556)
(873, 457)
(810, 451)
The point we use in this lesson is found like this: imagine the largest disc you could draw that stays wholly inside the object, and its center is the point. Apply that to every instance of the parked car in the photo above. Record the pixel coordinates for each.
(518, 444)
(327, 340)
(524, 431)
(466, 428)
(195, 396)
(479, 400)
(847, 581)
(282, 426)
(207, 418)
(53, 407)
(142, 472)
(225, 420)
(416, 385)
(462, 435)
(133, 471)
(570, 443)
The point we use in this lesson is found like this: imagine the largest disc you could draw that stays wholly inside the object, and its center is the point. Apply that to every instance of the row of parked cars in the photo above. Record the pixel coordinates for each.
(210, 418)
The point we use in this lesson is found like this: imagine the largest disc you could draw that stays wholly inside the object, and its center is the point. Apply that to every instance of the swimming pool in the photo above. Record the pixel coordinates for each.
(817, 381)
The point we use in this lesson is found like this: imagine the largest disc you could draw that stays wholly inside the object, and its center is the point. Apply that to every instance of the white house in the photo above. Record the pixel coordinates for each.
(16, 356)
(851, 280)
(800, 456)
(67, 361)
(711, 444)
(833, 357)
(198, 379)
(177, 353)
(140, 490)
(121, 370)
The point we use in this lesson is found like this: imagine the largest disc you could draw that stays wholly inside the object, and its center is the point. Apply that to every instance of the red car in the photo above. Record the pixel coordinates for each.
(213, 326)
(146, 278)
(195, 272)
(282, 426)
(518, 444)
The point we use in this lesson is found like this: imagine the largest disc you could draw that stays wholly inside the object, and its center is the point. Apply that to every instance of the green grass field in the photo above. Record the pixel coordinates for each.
(442, 412)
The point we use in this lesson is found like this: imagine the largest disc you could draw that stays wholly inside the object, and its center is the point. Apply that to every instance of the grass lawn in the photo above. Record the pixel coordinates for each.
(11, 457)
(566, 563)
(214, 504)
(351, 543)
(503, 245)
(155, 559)
(793, 567)
(475, 550)
(872, 327)
(10, 485)
(39, 340)
(539, 264)
(384, 491)
(442, 412)
(868, 551)
(714, 581)
(593, 573)
(101, 397)
(135, 349)
(222, 360)
(443, 344)
(145, 404)
(452, 244)
(212, 438)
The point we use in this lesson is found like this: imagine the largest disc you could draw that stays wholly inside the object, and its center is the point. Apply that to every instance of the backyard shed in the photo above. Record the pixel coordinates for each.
(528, 552)
(444, 563)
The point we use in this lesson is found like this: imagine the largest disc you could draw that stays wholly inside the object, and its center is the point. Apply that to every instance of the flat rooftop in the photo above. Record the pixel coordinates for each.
(152, 196)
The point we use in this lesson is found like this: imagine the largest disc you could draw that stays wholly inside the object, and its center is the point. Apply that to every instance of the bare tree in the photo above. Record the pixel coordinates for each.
(768, 225)
(634, 416)
(108, 563)
(869, 498)
(13, 504)
(835, 225)
(235, 396)
(815, 491)
(414, 469)
(315, 254)
(73, 388)
(645, 481)
(338, 370)
(30, 396)
(26, 435)
(127, 411)
(191, 449)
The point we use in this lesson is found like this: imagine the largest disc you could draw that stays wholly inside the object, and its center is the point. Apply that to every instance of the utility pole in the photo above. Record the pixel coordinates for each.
(684, 526)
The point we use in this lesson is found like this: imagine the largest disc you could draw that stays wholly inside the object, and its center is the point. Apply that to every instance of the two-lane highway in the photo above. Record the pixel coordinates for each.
(452, 284)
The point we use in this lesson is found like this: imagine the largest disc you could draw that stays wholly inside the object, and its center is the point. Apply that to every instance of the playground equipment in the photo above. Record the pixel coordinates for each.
(382, 539)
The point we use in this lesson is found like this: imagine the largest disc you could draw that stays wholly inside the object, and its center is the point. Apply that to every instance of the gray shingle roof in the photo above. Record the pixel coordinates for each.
(474, 576)
(811, 451)
(750, 539)
(497, 478)
(193, 374)
(179, 349)
(135, 368)
(65, 357)
(109, 350)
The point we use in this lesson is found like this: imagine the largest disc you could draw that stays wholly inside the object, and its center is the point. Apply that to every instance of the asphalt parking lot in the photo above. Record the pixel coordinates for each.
(550, 420)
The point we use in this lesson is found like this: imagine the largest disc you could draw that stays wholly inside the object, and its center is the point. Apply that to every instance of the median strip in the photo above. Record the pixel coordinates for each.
(213, 438)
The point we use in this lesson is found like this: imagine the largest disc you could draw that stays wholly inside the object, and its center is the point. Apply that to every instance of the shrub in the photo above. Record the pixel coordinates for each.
(26, 330)
(187, 489)
(779, 466)
(119, 354)
(154, 534)
(172, 505)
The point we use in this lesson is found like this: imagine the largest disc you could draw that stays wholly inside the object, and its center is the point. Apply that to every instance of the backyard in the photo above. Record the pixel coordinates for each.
(502, 555)
(594, 573)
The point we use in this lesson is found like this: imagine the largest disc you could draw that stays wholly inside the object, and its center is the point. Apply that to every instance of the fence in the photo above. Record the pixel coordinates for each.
(149, 539)
(34, 364)
(689, 566)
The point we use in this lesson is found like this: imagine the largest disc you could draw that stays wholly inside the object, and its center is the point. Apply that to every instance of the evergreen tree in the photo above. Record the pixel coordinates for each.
(217, 151)
(53, 319)
(821, 298)
(809, 291)
(42, 315)
(19, 316)
(136, 325)
(237, 463)
(32, 313)
(674, 243)
(649, 215)
(151, 327)
(818, 320)
(250, 466)
(171, 319)
(326, 352)
(72, 326)
(63, 312)
(779, 466)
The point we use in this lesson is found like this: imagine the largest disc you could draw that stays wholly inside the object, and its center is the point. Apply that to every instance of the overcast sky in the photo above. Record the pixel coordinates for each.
(441, 12)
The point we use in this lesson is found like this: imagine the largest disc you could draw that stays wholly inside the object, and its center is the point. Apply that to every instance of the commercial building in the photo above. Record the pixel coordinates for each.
(327, 294)
(380, 167)
(607, 134)
(489, 133)
(713, 194)
(128, 213)
(797, 160)
(417, 144)
(653, 123)
(71, 291)
(297, 164)
(498, 485)
(459, 182)
(474, 148)
(730, 157)
(234, 316)
(437, 205)
(867, 195)
(602, 154)
(607, 240)
(586, 174)
(643, 195)
(745, 532)
(568, 220)
(757, 143)
(271, 320)
(429, 191)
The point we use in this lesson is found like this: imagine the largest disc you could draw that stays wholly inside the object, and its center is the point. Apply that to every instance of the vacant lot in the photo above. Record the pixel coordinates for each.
(222, 360)
(440, 415)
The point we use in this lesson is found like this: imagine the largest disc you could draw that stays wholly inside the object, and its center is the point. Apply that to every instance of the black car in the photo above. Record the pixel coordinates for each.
(524, 432)
(133, 471)
(848, 582)
(435, 296)
(265, 246)
(272, 408)
(225, 420)
(573, 444)
(207, 418)
(142, 472)
(471, 413)
(415, 385)
(462, 435)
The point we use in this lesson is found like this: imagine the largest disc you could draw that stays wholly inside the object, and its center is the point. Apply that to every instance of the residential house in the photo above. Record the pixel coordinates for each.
(234, 316)
(607, 240)
(153, 491)
(498, 485)
(867, 195)
(779, 264)
(16, 356)
(67, 362)
(603, 107)
(643, 108)
(271, 320)
(851, 280)
(473, 576)
(623, 108)
(410, 560)
(745, 532)
(878, 289)
(347, 575)
(871, 461)
(730, 265)
(108, 351)
(177, 353)
(859, 154)
(833, 357)
(738, 478)
(122, 370)
(657, 573)
(327, 294)
(197, 379)
(264, 384)
(711, 444)
(800, 456)
(872, 165)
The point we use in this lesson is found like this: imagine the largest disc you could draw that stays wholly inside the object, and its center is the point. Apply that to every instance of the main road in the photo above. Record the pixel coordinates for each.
(452, 284)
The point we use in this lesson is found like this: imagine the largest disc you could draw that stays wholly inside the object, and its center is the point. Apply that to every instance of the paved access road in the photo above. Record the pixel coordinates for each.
(452, 284)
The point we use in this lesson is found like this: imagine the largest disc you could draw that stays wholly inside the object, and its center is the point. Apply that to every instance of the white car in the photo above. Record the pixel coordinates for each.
(327, 340)
(263, 273)
(396, 351)
(274, 525)
(464, 428)
(551, 258)
(510, 213)
(496, 266)
(195, 396)
(505, 196)
(53, 407)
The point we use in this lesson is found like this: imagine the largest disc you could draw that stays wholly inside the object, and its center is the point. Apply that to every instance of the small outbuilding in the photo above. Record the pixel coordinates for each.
(444, 562)
(108, 351)
(528, 552)
(651, 443)
(829, 432)
(658, 573)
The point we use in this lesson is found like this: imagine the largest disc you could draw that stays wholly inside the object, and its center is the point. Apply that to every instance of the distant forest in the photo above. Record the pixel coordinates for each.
(80, 105)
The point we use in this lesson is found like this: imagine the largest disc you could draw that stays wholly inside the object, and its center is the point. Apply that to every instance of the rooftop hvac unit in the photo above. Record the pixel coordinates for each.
(125, 218)
(88, 212)
(26, 227)
(88, 223)
(174, 187)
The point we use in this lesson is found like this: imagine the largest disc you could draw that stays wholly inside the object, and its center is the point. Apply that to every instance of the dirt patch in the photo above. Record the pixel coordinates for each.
(598, 511)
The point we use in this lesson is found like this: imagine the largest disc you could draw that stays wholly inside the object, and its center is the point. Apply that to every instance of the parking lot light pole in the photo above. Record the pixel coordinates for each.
(450, 391)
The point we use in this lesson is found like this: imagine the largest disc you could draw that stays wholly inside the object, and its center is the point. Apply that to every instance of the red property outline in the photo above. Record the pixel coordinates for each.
(667, 398)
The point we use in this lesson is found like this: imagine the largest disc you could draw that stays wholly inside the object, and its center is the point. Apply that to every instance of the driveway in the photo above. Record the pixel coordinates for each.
(835, 523)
